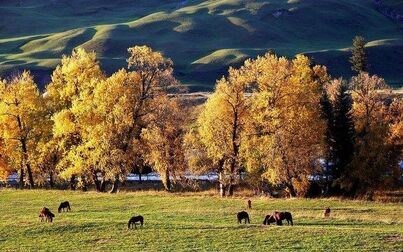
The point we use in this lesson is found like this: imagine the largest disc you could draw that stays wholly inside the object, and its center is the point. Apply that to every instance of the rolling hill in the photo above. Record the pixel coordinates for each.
(202, 37)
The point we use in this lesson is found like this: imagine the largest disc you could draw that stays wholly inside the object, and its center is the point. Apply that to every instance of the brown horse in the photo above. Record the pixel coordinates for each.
(249, 204)
(133, 222)
(278, 218)
(243, 216)
(46, 215)
(327, 212)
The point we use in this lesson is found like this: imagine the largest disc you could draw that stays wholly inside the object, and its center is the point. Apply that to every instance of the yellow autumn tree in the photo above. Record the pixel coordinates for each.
(69, 92)
(221, 127)
(110, 137)
(376, 134)
(164, 139)
(106, 123)
(22, 117)
(286, 131)
(73, 77)
(5, 168)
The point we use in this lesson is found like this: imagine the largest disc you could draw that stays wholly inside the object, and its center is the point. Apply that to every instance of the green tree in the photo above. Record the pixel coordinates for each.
(340, 137)
(358, 59)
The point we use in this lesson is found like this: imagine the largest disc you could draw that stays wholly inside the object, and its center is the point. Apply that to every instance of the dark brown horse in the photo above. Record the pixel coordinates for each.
(63, 206)
(278, 217)
(243, 216)
(46, 215)
(134, 220)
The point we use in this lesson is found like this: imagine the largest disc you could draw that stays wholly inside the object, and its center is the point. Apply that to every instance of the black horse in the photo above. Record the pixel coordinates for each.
(243, 216)
(134, 220)
(63, 206)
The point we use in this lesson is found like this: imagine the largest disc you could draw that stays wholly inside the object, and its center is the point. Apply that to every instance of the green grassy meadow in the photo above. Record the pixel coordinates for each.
(203, 37)
(188, 222)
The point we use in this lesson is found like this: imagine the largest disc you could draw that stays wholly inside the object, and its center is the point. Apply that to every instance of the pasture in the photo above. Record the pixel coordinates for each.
(192, 221)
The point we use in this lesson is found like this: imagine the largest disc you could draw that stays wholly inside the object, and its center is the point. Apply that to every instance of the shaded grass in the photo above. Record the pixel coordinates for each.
(189, 222)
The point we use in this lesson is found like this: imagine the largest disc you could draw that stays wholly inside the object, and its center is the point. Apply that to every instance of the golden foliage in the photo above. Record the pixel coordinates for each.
(23, 121)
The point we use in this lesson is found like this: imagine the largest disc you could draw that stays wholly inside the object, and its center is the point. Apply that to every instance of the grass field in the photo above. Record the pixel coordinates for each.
(203, 37)
(189, 222)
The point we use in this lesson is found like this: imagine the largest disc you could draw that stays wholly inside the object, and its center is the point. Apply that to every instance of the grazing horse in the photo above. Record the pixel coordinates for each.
(133, 222)
(249, 204)
(243, 216)
(278, 218)
(46, 215)
(268, 219)
(327, 212)
(63, 206)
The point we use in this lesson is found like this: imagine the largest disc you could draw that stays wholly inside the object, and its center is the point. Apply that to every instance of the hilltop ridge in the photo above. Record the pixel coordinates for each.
(203, 38)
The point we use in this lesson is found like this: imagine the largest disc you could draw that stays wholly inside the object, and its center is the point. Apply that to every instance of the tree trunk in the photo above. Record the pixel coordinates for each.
(140, 178)
(231, 178)
(291, 188)
(231, 189)
(22, 177)
(222, 186)
(103, 185)
(115, 185)
(97, 185)
(24, 148)
(84, 183)
(96, 181)
(30, 177)
(73, 182)
(220, 168)
(167, 182)
(235, 147)
(51, 180)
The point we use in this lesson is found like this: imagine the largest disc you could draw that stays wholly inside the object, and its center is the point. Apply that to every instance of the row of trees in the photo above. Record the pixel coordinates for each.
(278, 120)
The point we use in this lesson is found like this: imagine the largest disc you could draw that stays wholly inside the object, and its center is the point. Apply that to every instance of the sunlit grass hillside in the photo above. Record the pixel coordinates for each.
(202, 37)
(190, 222)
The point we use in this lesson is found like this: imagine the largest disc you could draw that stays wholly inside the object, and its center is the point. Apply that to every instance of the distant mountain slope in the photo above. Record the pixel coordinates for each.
(203, 38)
